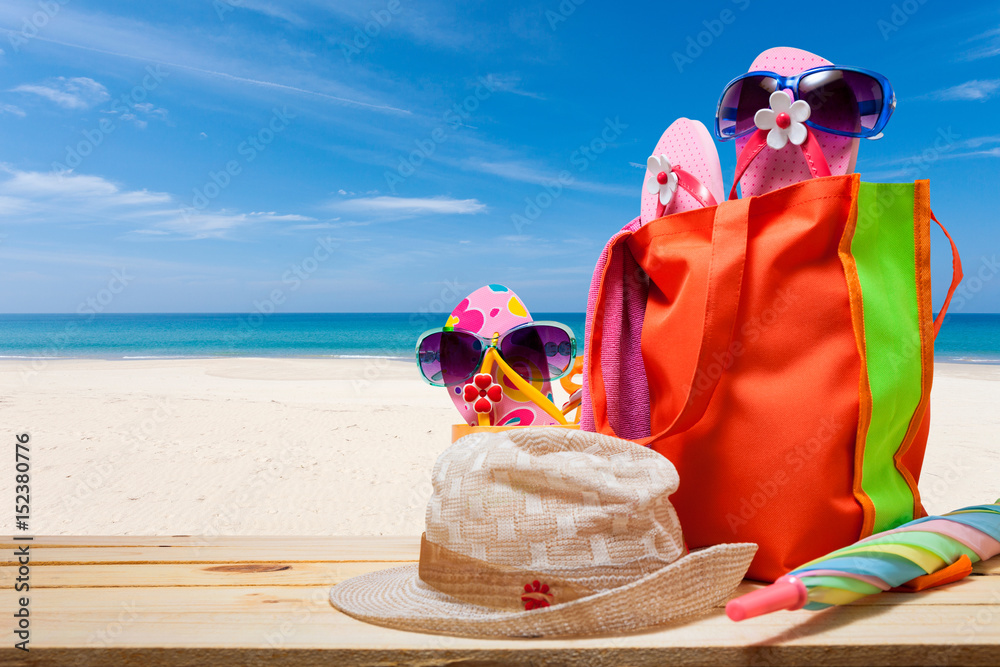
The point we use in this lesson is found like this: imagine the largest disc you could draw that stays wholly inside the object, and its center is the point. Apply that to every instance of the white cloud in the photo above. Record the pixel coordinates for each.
(40, 197)
(329, 223)
(138, 114)
(192, 224)
(511, 83)
(526, 172)
(76, 189)
(433, 23)
(10, 206)
(272, 216)
(917, 165)
(977, 90)
(516, 171)
(132, 118)
(348, 223)
(977, 142)
(989, 152)
(79, 92)
(987, 46)
(352, 193)
(139, 41)
(11, 109)
(412, 206)
(315, 225)
(152, 110)
(274, 11)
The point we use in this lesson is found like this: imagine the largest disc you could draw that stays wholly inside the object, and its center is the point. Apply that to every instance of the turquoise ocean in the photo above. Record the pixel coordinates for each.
(969, 338)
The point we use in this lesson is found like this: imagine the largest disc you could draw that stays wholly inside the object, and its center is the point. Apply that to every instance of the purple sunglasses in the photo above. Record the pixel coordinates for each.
(848, 101)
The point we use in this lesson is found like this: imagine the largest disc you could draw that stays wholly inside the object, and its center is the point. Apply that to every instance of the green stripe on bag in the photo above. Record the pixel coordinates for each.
(884, 250)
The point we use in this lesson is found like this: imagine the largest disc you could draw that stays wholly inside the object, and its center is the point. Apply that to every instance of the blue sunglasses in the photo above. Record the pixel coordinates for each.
(848, 101)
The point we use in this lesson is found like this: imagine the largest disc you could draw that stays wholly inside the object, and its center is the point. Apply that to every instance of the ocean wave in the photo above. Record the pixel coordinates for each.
(27, 356)
(966, 360)
(166, 356)
(368, 356)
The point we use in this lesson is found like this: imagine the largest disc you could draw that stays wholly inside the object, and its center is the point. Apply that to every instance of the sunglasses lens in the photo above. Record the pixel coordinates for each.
(449, 357)
(842, 100)
(741, 101)
(538, 353)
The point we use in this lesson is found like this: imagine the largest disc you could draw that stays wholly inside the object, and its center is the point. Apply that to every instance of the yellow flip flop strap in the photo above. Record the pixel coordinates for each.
(526, 388)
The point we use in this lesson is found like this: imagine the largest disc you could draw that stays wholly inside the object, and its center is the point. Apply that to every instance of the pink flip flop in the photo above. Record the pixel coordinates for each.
(683, 172)
(497, 309)
(770, 169)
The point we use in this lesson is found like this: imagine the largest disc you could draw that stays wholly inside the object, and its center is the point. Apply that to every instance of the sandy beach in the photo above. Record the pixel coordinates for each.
(312, 446)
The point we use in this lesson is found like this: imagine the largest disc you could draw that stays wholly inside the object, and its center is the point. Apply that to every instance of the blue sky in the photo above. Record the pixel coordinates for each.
(233, 155)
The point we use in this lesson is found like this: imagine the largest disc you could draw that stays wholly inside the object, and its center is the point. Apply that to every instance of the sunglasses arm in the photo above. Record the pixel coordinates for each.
(526, 388)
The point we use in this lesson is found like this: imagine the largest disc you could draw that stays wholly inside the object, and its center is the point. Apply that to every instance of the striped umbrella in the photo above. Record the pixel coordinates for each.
(920, 554)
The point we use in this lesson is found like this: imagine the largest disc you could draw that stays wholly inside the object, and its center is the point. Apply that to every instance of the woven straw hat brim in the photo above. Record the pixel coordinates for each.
(397, 598)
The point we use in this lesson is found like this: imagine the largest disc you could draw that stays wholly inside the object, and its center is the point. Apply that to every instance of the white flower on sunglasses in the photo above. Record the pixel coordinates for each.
(784, 120)
(663, 178)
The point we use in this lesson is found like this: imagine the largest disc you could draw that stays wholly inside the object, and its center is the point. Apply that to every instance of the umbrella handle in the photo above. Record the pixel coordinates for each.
(785, 593)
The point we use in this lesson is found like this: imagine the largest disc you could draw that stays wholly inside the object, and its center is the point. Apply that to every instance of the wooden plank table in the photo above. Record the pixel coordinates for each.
(263, 600)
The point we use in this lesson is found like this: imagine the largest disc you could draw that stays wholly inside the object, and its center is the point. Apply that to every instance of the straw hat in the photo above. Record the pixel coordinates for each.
(546, 532)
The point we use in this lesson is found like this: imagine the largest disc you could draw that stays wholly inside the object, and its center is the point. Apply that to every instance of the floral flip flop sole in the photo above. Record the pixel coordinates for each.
(685, 147)
(773, 169)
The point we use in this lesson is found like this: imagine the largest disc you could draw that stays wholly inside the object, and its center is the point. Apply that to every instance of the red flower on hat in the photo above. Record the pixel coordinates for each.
(482, 392)
(536, 595)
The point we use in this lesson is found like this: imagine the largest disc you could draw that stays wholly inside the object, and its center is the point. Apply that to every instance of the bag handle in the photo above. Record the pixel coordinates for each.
(725, 281)
(956, 277)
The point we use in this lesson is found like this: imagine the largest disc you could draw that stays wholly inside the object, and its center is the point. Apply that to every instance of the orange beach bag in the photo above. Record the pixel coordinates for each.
(779, 351)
